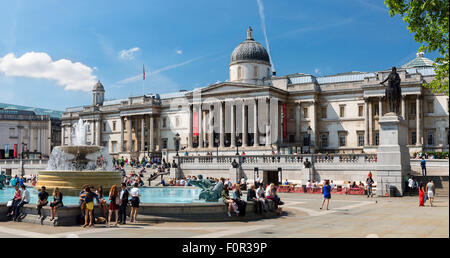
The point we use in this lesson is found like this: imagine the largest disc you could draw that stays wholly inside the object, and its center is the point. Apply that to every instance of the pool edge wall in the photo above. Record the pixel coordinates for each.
(166, 212)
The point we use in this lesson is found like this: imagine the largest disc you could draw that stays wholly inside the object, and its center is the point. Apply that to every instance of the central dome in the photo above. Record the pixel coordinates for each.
(250, 50)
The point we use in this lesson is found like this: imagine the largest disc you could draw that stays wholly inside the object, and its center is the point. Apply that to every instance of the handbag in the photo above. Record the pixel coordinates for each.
(9, 204)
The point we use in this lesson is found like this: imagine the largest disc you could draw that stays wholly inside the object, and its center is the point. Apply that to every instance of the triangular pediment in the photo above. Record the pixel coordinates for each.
(227, 88)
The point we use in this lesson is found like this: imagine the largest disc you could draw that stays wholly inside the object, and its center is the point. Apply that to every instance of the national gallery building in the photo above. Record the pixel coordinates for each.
(259, 112)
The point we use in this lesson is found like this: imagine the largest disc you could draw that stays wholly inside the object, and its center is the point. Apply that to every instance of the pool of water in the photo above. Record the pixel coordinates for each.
(148, 195)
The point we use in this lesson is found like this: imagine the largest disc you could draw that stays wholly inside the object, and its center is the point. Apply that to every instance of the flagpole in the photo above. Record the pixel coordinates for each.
(143, 80)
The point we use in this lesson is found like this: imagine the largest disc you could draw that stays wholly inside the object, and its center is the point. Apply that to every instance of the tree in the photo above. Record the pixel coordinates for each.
(428, 19)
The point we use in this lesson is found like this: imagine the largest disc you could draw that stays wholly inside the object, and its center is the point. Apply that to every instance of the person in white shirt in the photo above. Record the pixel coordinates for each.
(25, 200)
(410, 185)
(308, 185)
(182, 181)
(261, 197)
(134, 202)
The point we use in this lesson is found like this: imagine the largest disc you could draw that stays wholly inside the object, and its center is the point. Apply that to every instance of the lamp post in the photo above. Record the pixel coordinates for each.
(177, 142)
(237, 145)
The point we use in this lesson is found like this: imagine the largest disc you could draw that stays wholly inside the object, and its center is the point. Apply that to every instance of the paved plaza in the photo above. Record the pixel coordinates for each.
(349, 216)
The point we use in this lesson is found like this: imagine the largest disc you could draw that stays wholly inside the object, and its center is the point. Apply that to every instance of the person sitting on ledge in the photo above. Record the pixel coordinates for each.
(42, 200)
(57, 202)
(237, 194)
(271, 194)
(228, 201)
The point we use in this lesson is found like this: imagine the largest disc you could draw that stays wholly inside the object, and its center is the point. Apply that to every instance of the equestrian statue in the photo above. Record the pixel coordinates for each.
(393, 93)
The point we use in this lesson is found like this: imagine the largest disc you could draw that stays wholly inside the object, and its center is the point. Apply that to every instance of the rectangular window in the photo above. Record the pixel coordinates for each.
(430, 106)
(104, 126)
(12, 132)
(324, 112)
(164, 122)
(164, 143)
(430, 137)
(114, 126)
(113, 146)
(360, 138)
(413, 138)
(377, 138)
(412, 108)
(324, 140)
(342, 111)
(360, 110)
(376, 110)
(305, 112)
(342, 139)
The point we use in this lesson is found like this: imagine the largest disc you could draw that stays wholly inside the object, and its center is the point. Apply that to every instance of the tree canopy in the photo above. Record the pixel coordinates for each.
(428, 20)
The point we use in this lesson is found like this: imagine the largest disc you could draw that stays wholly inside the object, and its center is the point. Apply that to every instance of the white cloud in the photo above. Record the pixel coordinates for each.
(179, 51)
(72, 76)
(317, 71)
(128, 53)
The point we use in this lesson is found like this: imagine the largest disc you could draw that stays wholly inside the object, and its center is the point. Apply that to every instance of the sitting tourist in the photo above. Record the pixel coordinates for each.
(286, 182)
(102, 200)
(251, 196)
(25, 200)
(57, 202)
(261, 198)
(228, 201)
(271, 195)
(16, 200)
(237, 194)
(42, 200)
(308, 185)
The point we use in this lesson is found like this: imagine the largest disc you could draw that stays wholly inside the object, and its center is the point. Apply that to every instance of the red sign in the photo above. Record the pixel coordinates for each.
(195, 123)
(16, 153)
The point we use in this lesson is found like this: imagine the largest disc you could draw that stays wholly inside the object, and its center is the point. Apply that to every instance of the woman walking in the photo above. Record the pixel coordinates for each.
(57, 202)
(114, 204)
(421, 195)
(326, 193)
(430, 192)
(134, 202)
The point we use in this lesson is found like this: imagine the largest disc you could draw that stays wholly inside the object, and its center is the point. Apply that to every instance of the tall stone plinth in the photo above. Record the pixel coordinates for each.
(393, 155)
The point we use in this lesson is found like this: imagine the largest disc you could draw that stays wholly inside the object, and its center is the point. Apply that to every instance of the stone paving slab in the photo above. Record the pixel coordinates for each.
(350, 216)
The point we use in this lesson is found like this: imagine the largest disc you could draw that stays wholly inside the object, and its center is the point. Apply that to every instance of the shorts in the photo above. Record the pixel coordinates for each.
(135, 202)
(430, 195)
(327, 197)
(90, 206)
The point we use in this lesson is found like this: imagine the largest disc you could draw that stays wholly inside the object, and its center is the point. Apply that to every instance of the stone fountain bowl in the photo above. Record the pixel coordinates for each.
(81, 149)
(71, 182)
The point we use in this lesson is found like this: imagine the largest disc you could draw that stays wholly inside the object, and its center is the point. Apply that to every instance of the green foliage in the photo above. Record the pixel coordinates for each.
(428, 19)
(436, 154)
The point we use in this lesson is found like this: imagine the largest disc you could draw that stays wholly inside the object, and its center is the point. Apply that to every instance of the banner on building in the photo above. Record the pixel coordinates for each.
(16, 150)
(195, 124)
(6, 151)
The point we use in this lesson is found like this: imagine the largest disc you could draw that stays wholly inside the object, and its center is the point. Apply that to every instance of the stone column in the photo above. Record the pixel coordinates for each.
(280, 137)
(211, 126)
(63, 136)
(268, 133)
(222, 124)
(143, 133)
(366, 120)
(233, 125)
(419, 137)
(70, 134)
(380, 107)
(151, 137)
(313, 124)
(191, 125)
(370, 123)
(122, 129)
(255, 124)
(200, 126)
(404, 107)
(99, 132)
(130, 139)
(297, 122)
(244, 124)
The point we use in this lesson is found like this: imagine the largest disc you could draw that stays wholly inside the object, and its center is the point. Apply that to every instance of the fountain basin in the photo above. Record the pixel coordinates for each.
(71, 182)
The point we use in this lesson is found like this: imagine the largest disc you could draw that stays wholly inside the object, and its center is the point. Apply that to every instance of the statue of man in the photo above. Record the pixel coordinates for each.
(393, 91)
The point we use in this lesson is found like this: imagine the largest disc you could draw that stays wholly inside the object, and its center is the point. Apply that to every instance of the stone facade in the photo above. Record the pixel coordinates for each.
(292, 113)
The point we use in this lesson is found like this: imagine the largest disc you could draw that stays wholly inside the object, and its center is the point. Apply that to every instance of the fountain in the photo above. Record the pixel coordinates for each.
(71, 167)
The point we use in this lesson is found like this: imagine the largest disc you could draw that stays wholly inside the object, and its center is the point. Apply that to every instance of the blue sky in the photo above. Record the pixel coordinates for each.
(52, 50)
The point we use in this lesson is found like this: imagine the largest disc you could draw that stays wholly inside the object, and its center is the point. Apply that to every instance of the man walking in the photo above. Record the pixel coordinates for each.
(423, 166)
(431, 192)
(369, 183)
